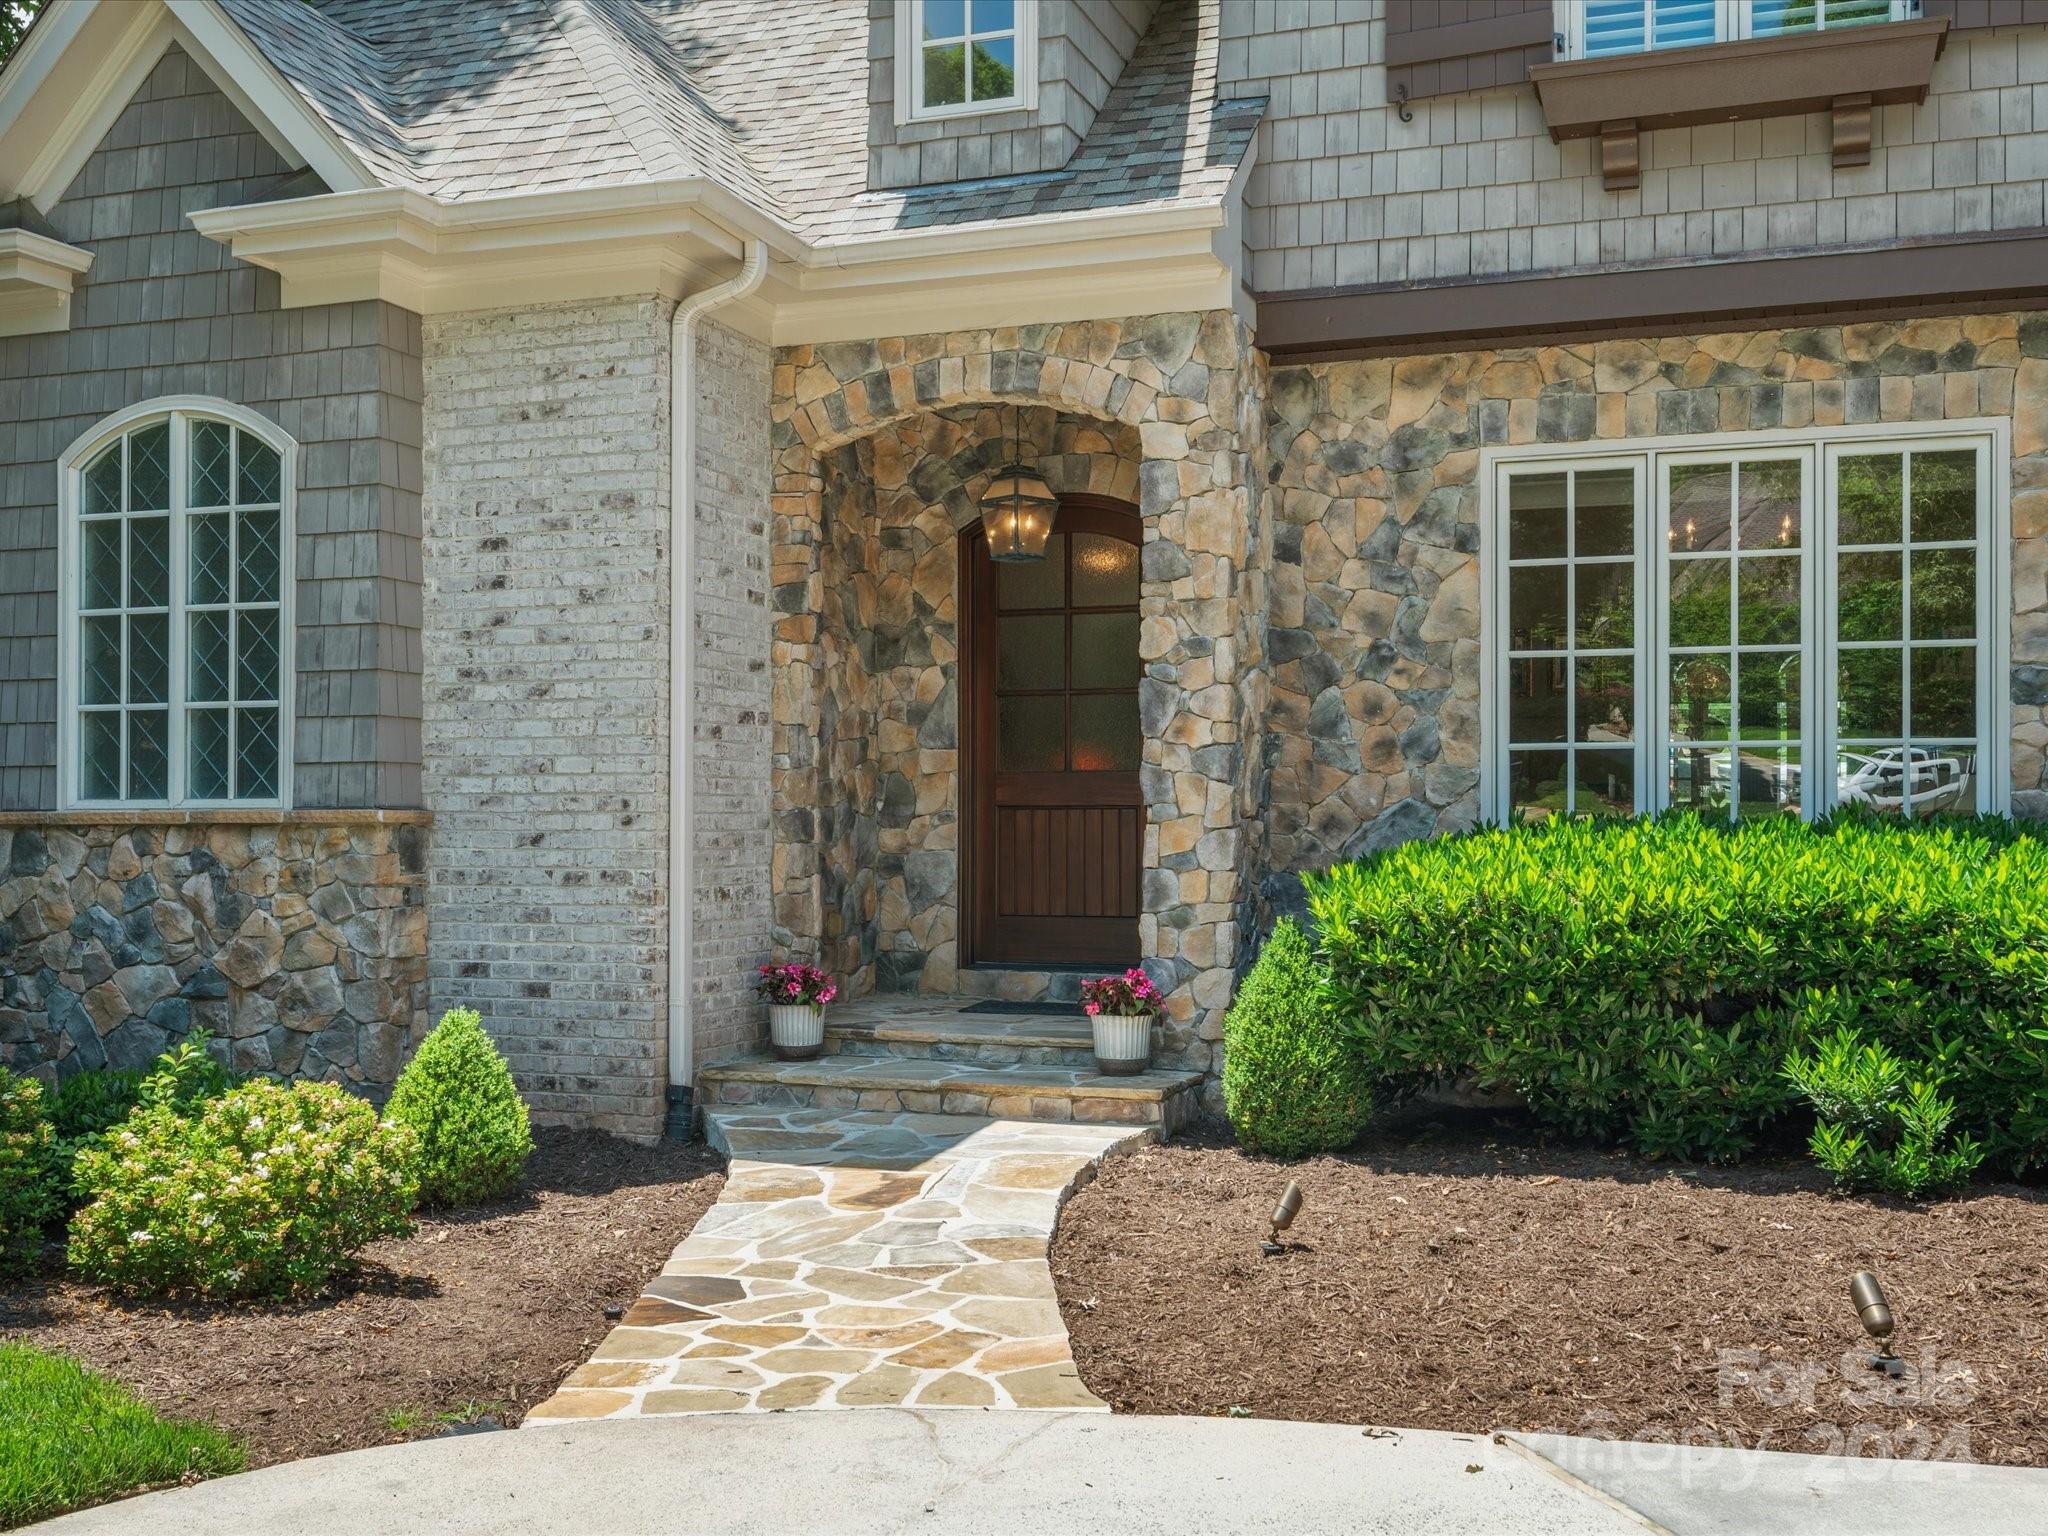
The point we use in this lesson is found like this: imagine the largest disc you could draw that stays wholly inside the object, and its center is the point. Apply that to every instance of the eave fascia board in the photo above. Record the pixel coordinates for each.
(29, 257)
(434, 257)
(1015, 235)
(521, 219)
(1100, 264)
(36, 277)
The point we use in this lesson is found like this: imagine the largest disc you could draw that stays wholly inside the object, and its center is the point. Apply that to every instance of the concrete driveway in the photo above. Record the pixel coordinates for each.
(972, 1472)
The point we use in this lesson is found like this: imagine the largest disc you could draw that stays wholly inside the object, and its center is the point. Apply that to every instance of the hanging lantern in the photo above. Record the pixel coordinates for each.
(1017, 511)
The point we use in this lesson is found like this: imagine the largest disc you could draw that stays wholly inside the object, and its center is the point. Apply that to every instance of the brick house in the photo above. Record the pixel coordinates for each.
(495, 499)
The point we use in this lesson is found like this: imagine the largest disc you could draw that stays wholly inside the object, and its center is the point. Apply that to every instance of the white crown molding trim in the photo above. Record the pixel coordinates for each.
(672, 238)
(36, 278)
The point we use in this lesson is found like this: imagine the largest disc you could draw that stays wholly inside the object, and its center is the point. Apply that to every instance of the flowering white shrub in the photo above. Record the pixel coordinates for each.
(264, 1192)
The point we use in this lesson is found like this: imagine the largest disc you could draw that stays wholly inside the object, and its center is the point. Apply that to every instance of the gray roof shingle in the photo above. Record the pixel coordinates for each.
(459, 99)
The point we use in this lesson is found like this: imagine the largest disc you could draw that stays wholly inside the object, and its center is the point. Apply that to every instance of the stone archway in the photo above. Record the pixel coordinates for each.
(1188, 388)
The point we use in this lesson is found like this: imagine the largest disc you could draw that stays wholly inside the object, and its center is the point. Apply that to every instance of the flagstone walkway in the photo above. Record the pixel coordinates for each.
(857, 1259)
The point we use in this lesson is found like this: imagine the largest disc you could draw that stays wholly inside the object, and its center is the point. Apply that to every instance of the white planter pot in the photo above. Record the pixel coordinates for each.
(1123, 1043)
(796, 1031)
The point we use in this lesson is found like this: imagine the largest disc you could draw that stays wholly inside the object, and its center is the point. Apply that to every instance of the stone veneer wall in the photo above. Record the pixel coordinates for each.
(300, 941)
(546, 712)
(1190, 386)
(1374, 497)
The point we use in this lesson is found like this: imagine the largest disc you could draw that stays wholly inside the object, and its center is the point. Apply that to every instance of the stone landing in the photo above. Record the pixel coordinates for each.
(858, 1259)
(928, 1056)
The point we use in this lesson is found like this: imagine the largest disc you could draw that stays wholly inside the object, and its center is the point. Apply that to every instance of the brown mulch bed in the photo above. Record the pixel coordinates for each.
(1471, 1281)
(481, 1310)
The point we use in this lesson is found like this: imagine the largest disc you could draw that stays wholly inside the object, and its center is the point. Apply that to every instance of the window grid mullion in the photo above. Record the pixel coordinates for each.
(180, 623)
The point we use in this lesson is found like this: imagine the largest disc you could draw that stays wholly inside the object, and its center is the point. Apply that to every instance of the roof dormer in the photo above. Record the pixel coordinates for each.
(963, 89)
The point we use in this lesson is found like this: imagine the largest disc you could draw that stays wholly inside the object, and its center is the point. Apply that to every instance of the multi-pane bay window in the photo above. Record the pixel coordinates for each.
(1593, 29)
(175, 652)
(1757, 626)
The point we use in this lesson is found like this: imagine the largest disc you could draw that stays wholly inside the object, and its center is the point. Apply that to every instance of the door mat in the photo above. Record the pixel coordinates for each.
(1048, 1006)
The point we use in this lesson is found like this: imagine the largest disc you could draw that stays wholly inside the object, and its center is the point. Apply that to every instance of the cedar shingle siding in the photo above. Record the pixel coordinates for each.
(1436, 47)
(165, 311)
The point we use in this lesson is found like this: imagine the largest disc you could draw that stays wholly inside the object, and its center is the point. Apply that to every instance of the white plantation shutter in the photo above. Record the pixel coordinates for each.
(1635, 26)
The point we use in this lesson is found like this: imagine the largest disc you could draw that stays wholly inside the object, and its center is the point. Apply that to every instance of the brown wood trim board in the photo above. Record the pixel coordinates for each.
(1935, 277)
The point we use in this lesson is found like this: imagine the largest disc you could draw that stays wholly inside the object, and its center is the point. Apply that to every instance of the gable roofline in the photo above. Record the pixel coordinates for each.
(82, 63)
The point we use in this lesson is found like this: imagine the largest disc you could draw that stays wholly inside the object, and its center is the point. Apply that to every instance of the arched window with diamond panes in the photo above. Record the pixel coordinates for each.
(176, 661)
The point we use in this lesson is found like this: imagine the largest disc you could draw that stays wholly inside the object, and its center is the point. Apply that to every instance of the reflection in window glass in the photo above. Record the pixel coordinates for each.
(1908, 601)
(1735, 569)
(1820, 609)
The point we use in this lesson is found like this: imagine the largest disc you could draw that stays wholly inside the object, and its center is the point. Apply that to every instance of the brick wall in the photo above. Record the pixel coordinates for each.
(732, 812)
(545, 731)
(1345, 192)
(165, 311)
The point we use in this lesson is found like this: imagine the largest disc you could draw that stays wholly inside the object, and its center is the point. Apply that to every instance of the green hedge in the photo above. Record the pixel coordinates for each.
(1646, 981)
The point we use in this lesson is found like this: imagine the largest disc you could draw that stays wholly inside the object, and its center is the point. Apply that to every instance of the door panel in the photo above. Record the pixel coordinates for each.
(1050, 771)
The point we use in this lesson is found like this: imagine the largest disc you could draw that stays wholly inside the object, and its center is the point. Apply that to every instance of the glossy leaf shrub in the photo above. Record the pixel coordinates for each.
(1292, 1084)
(265, 1191)
(457, 1096)
(1645, 981)
(1882, 1122)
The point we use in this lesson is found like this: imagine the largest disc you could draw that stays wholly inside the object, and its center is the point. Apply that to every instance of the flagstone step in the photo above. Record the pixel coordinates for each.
(924, 1085)
(1061, 1039)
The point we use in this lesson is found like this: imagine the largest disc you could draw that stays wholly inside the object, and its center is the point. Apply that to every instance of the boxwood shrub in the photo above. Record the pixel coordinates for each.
(1646, 981)
(1291, 1082)
(457, 1096)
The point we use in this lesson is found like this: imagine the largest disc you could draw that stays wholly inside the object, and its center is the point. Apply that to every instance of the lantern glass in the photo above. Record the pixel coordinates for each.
(1017, 511)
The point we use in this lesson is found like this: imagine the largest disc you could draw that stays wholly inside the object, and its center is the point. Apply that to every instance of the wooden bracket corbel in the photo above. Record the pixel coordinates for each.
(1621, 160)
(1852, 130)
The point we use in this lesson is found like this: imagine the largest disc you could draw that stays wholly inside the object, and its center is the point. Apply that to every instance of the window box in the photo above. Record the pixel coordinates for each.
(1847, 69)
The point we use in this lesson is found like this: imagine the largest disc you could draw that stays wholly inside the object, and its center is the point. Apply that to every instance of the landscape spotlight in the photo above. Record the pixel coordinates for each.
(1283, 1218)
(1876, 1314)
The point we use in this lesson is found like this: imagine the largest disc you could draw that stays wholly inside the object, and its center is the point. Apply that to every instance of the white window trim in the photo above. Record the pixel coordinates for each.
(910, 106)
(179, 409)
(1825, 446)
(1733, 22)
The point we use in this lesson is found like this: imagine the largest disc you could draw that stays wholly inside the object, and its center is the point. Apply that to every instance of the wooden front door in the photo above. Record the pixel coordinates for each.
(1050, 786)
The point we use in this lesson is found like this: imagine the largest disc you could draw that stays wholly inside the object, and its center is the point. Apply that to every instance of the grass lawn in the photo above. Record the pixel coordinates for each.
(70, 1437)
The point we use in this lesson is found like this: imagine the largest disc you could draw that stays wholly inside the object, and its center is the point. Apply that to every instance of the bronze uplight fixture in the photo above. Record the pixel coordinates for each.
(1018, 507)
(1876, 1315)
(1282, 1218)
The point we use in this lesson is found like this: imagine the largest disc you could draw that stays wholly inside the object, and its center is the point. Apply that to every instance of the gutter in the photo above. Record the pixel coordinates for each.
(682, 625)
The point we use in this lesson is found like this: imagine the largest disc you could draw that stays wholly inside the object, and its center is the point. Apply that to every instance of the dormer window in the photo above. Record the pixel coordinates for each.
(959, 57)
(1591, 29)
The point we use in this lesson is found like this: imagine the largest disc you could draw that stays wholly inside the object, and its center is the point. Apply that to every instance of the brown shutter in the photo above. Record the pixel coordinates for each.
(1985, 13)
(1435, 47)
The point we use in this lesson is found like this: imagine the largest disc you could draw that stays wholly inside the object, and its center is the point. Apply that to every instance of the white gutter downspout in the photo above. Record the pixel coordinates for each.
(682, 611)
